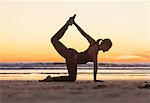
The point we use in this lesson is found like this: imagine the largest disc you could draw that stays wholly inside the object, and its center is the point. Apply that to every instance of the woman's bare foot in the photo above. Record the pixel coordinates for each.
(47, 79)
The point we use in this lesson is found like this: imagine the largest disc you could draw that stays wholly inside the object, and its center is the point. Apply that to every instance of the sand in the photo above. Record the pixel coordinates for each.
(74, 92)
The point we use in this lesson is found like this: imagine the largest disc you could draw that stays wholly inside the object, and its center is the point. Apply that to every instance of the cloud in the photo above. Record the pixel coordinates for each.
(128, 57)
(143, 56)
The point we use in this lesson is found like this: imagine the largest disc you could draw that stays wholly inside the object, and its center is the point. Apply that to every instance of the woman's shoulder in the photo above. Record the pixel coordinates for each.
(94, 46)
(93, 49)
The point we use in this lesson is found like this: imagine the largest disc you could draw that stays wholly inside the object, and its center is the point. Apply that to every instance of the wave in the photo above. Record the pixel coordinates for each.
(63, 68)
(82, 65)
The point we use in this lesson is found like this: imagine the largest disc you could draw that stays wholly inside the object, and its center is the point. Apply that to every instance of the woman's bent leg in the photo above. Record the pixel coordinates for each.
(61, 49)
(63, 79)
(72, 71)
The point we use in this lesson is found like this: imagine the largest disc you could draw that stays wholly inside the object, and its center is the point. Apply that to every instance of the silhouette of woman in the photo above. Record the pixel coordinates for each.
(72, 57)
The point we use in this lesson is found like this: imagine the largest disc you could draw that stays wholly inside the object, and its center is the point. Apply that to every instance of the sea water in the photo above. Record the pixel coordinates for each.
(106, 71)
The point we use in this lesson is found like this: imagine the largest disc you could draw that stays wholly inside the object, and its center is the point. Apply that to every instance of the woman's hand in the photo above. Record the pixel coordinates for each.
(71, 20)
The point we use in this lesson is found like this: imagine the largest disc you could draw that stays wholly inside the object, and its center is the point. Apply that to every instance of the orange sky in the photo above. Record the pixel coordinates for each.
(27, 26)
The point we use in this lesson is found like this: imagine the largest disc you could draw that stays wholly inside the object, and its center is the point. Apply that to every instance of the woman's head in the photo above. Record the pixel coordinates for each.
(105, 45)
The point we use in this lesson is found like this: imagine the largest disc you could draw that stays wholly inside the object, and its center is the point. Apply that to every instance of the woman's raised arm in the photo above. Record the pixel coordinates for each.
(90, 39)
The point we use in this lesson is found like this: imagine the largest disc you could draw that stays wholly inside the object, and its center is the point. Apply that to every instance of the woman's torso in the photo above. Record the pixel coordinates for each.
(82, 57)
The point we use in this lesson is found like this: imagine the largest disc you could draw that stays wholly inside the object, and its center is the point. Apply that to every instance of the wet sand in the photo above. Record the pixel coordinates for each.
(12, 91)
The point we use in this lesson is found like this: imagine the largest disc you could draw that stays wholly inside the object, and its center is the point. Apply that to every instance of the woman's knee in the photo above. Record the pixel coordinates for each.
(72, 78)
(53, 40)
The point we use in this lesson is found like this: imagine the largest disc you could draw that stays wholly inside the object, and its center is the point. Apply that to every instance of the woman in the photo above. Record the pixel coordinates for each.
(72, 57)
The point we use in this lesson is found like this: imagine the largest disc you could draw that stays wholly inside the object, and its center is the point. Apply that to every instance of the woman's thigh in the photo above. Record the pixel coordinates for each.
(60, 48)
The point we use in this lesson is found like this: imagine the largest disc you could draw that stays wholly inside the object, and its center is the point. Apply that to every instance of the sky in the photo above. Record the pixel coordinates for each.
(27, 26)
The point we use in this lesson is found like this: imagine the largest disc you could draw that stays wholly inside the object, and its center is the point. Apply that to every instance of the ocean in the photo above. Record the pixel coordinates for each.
(106, 71)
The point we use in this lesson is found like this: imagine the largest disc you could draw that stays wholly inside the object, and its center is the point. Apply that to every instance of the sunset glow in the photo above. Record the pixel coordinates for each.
(27, 26)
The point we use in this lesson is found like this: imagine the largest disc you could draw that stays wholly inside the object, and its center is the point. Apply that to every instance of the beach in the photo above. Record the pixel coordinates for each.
(81, 91)
(123, 83)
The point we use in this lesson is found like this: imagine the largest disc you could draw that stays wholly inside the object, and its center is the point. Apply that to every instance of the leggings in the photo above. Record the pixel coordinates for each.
(68, 54)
